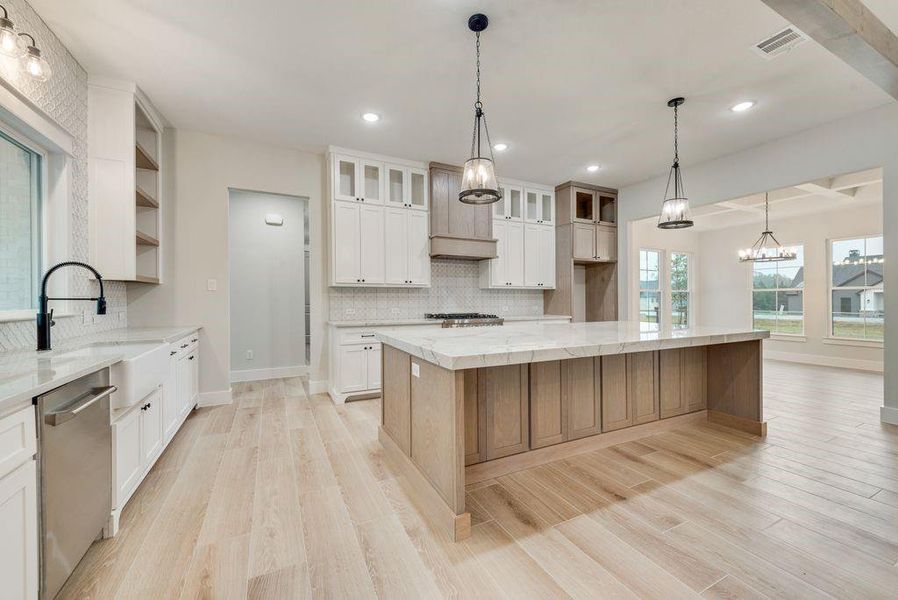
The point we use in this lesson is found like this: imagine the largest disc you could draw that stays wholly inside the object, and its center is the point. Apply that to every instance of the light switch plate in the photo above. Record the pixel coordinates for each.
(416, 370)
(211, 284)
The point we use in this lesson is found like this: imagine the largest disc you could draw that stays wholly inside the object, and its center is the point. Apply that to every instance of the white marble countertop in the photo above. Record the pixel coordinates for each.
(27, 373)
(474, 347)
(399, 322)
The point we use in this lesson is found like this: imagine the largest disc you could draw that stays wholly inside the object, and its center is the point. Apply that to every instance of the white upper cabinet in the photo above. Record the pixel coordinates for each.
(379, 222)
(511, 206)
(539, 206)
(524, 227)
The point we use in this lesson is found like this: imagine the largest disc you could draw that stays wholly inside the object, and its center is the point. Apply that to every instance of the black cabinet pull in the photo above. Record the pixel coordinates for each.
(367, 335)
(190, 358)
(172, 353)
(194, 339)
(183, 346)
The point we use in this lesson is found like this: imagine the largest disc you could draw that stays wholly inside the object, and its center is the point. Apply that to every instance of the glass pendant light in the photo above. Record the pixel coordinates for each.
(479, 185)
(10, 42)
(767, 248)
(33, 63)
(675, 212)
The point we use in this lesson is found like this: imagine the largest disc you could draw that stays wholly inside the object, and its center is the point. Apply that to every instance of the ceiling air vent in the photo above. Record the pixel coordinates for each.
(780, 43)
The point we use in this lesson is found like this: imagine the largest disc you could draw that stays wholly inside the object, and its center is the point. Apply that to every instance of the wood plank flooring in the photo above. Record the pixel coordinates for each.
(285, 496)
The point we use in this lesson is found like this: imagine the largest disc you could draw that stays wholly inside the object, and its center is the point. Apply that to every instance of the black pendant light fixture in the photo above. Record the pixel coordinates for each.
(479, 185)
(675, 212)
(767, 248)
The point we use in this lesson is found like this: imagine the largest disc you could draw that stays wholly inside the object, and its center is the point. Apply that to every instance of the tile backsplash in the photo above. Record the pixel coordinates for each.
(455, 287)
(64, 99)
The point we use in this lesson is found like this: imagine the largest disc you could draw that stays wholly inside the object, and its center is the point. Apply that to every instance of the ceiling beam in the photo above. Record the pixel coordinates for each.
(824, 188)
(848, 29)
(855, 180)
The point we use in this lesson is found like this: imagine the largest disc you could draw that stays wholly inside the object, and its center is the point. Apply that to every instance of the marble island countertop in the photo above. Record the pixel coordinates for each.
(474, 347)
(27, 373)
(435, 322)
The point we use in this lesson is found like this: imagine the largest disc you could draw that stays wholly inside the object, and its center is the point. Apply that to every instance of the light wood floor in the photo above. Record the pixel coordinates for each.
(283, 496)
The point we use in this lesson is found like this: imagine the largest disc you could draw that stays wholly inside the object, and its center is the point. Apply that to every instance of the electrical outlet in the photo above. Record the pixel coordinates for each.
(211, 284)
(121, 316)
(249, 355)
(416, 369)
(87, 318)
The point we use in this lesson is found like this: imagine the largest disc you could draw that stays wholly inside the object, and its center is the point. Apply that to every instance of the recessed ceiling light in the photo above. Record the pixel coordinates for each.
(592, 168)
(500, 147)
(371, 117)
(742, 106)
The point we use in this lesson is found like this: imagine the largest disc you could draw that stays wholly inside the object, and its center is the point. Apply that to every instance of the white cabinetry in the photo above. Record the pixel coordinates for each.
(124, 157)
(379, 222)
(19, 536)
(356, 363)
(141, 432)
(524, 228)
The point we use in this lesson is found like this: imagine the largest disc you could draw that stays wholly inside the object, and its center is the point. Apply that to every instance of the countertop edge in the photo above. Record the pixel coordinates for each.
(410, 322)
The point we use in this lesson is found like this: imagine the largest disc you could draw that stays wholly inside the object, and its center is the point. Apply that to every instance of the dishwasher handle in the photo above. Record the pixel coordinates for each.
(58, 418)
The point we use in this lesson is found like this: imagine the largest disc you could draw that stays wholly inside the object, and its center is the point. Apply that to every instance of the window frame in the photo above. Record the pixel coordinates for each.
(752, 290)
(831, 337)
(689, 291)
(660, 289)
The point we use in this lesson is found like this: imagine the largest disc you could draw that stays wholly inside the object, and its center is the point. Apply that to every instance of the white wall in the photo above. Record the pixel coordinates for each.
(206, 167)
(859, 142)
(267, 286)
(725, 283)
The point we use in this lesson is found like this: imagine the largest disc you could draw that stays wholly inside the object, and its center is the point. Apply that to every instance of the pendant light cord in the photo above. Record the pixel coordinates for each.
(479, 114)
(478, 104)
(766, 211)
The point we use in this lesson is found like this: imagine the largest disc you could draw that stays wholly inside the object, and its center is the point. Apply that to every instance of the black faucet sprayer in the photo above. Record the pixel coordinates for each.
(45, 319)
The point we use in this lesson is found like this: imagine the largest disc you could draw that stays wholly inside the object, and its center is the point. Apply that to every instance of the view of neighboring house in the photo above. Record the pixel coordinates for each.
(857, 286)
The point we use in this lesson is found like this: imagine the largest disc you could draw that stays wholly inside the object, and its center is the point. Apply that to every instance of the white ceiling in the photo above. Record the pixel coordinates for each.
(566, 83)
(835, 193)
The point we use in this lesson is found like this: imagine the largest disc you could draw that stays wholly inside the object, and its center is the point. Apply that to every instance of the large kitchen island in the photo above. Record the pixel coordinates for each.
(468, 404)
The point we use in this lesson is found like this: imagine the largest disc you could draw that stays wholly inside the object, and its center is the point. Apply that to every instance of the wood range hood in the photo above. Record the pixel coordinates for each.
(457, 230)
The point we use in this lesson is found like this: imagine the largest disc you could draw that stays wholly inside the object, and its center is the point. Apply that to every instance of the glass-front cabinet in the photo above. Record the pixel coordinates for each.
(511, 206)
(539, 206)
(593, 206)
(358, 180)
(406, 187)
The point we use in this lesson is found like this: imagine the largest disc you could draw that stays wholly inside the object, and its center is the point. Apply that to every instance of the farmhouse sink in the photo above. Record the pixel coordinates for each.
(143, 368)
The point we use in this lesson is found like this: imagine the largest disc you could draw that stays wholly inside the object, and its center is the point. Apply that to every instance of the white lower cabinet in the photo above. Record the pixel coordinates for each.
(526, 257)
(19, 533)
(141, 432)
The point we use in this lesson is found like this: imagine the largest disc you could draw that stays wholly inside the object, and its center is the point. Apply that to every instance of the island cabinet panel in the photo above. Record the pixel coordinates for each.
(396, 405)
(475, 421)
(582, 395)
(617, 410)
(694, 382)
(734, 379)
(642, 381)
(504, 389)
(682, 381)
(547, 404)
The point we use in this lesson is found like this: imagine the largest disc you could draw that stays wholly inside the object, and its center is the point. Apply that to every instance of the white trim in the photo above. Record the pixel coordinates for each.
(825, 361)
(788, 337)
(317, 387)
(837, 341)
(214, 398)
(801, 290)
(25, 116)
(271, 373)
(888, 414)
(830, 337)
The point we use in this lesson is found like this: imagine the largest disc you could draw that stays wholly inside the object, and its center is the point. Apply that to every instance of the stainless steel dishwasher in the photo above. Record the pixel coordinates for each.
(75, 466)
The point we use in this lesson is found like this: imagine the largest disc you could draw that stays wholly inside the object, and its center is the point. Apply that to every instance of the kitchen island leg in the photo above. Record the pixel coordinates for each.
(736, 387)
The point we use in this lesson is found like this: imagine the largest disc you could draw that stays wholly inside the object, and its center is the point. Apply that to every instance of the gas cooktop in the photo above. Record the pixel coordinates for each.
(466, 319)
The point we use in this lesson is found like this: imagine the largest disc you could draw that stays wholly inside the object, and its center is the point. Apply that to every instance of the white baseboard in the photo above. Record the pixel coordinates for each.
(317, 387)
(826, 361)
(888, 414)
(214, 398)
(272, 373)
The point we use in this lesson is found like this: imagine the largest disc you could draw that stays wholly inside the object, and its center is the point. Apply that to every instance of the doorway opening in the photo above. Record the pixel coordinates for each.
(268, 249)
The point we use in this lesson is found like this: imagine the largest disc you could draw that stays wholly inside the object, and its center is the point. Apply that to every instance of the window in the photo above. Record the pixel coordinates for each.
(778, 295)
(20, 225)
(856, 288)
(649, 289)
(680, 290)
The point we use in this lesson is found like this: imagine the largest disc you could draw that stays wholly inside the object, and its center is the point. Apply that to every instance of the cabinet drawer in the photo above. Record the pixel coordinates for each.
(358, 337)
(18, 440)
(186, 344)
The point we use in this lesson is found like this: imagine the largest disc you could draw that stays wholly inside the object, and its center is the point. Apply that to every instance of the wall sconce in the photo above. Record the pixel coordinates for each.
(33, 63)
(13, 45)
(10, 43)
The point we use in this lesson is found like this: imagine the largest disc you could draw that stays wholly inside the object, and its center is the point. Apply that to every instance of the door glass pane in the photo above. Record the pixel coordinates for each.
(532, 206)
(548, 208)
(418, 193)
(679, 310)
(584, 206)
(649, 305)
(499, 206)
(396, 183)
(789, 312)
(372, 182)
(346, 182)
(515, 203)
(763, 307)
(19, 225)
